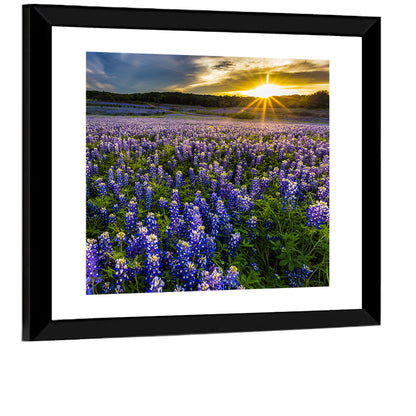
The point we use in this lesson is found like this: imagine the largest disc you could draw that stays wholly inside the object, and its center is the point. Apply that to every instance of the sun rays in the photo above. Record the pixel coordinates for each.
(265, 95)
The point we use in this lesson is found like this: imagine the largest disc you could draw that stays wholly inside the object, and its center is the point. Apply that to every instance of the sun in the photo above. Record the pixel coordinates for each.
(265, 91)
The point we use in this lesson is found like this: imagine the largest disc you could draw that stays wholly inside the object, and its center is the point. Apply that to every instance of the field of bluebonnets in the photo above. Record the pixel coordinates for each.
(181, 204)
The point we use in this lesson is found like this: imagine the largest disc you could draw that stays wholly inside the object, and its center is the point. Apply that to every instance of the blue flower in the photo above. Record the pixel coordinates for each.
(93, 275)
(148, 198)
(298, 276)
(233, 243)
(317, 214)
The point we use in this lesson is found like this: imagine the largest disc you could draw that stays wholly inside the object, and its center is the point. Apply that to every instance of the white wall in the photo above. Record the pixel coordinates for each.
(355, 371)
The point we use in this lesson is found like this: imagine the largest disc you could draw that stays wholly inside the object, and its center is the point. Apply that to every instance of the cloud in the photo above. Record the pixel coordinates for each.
(223, 65)
(128, 73)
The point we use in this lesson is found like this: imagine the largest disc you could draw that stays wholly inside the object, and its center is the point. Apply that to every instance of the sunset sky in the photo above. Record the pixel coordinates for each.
(131, 73)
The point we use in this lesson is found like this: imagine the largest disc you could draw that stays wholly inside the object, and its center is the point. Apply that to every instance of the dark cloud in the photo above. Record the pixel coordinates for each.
(128, 73)
(305, 66)
(223, 65)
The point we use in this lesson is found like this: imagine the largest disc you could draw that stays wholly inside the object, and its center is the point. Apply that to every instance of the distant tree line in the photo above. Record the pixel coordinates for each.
(318, 99)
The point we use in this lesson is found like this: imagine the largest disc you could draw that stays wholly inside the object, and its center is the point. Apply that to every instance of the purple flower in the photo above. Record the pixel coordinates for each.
(317, 214)
(102, 189)
(121, 271)
(148, 198)
(298, 276)
(179, 179)
(130, 223)
(233, 243)
(252, 222)
(163, 203)
(93, 275)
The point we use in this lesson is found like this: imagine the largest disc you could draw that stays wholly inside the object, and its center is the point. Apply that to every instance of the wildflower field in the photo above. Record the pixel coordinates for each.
(186, 204)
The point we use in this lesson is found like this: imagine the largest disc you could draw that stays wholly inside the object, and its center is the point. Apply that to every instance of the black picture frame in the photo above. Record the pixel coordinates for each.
(38, 21)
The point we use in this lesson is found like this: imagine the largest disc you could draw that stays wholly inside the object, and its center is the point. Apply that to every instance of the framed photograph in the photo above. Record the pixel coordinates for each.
(189, 172)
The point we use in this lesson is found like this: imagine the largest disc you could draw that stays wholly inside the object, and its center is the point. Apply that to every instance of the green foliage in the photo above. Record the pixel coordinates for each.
(319, 99)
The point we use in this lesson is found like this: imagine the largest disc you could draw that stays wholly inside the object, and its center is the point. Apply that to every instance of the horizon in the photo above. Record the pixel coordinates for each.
(191, 93)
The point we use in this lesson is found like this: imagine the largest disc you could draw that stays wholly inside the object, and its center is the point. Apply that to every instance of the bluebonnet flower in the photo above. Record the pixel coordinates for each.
(104, 215)
(130, 223)
(121, 271)
(252, 222)
(213, 185)
(102, 189)
(153, 264)
(116, 189)
(88, 172)
(142, 231)
(252, 225)
(228, 229)
(106, 288)
(193, 217)
(255, 266)
(134, 246)
(268, 224)
(238, 175)
(317, 214)
(152, 171)
(211, 281)
(135, 269)
(120, 237)
(92, 210)
(215, 280)
(163, 203)
(230, 280)
(122, 200)
(290, 194)
(104, 248)
(264, 184)
(160, 173)
(174, 211)
(132, 206)
(255, 188)
(323, 192)
(298, 276)
(138, 191)
(192, 176)
(126, 179)
(243, 203)
(215, 225)
(203, 178)
(156, 285)
(179, 179)
(120, 161)
(93, 275)
(189, 276)
(148, 198)
(183, 254)
(151, 224)
(119, 177)
(169, 181)
(176, 197)
(233, 243)
(222, 213)
(110, 175)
